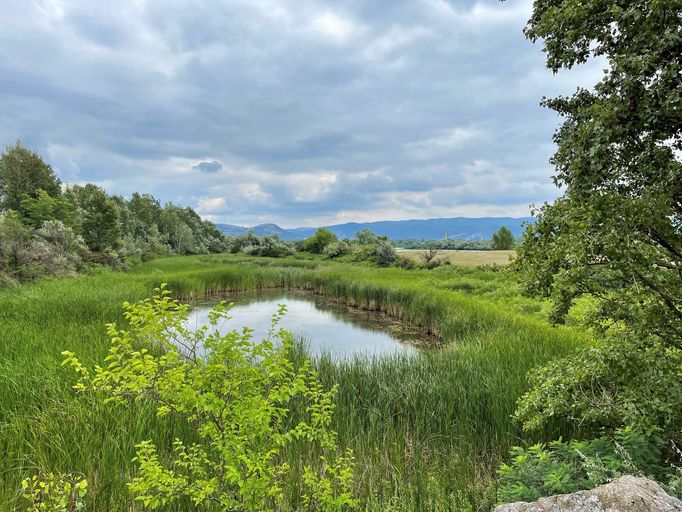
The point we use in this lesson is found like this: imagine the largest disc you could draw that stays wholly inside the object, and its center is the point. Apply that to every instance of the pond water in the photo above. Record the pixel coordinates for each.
(325, 326)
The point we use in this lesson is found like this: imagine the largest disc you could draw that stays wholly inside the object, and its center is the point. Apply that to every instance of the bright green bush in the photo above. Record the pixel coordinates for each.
(560, 468)
(54, 493)
(319, 241)
(237, 394)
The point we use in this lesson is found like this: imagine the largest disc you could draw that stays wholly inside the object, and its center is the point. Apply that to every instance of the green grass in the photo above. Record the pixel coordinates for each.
(428, 432)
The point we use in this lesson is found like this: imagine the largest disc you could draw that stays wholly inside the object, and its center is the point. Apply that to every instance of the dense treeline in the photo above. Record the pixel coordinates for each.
(445, 245)
(50, 228)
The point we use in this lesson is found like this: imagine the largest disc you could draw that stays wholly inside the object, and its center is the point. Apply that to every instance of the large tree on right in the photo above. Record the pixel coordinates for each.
(616, 233)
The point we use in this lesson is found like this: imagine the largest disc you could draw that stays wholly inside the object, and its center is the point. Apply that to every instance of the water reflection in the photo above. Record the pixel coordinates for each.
(327, 327)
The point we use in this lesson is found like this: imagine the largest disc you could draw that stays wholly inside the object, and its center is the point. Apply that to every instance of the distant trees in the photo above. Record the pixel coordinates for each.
(269, 246)
(100, 224)
(321, 239)
(48, 230)
(22, 174)
(503, 239)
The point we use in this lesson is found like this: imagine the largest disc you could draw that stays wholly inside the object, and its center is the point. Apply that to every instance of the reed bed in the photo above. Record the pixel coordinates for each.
(428, 431)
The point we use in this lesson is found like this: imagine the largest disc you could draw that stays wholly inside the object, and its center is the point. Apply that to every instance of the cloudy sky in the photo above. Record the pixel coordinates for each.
(298, 112)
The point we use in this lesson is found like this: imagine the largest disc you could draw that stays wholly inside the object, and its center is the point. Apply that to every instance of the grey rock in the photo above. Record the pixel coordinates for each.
(626, 494)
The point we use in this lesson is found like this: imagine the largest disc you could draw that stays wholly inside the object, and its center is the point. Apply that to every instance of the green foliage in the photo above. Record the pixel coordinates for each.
(237, 394)
(445, 244)
(384, 253)
(268, 246)
(101, 227)
(54, 493)
(366, 237)
(43, 208)
(319, 241)
(26, 254)
(503, 239)
(561, 468)
(338, 249)
(22, 174)
(616, 233)
(116, 231)
(624, 381)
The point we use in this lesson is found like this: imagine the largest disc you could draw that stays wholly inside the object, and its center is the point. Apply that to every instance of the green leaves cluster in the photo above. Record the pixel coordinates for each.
(615, 235)
(564, 467)
(239, 394)
(319, 241)
(54, 493)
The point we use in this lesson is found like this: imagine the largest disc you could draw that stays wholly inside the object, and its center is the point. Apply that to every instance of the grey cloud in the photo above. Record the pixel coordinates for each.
(429, 104)
(210, 167)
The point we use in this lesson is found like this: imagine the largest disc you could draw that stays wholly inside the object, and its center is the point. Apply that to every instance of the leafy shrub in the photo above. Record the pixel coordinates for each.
(238, 394)
(338, 249)
(54, 493)
(559, 468)
(384, 253)
(405, 262)
(319, 241)
(624, 381)
(269, 246)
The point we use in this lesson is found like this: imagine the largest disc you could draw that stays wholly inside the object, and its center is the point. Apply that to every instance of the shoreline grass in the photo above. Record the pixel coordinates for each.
(428, 432)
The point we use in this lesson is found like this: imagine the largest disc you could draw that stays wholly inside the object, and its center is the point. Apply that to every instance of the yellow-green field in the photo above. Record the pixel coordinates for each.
(464, 258)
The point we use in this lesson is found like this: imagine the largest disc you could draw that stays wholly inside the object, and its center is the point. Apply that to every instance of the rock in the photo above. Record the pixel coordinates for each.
(626, 494)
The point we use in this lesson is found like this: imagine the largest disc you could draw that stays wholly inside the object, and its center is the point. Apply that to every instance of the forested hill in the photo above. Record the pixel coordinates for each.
(461, 228)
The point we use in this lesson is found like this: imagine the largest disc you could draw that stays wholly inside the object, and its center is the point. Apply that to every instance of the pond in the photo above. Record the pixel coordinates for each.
(325, 326)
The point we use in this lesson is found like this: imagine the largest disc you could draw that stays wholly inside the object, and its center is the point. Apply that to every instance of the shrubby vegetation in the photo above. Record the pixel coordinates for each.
(51, 229)
(237, 394)
(366, 247)
(615, 236)
(436, 425)
(270, 246)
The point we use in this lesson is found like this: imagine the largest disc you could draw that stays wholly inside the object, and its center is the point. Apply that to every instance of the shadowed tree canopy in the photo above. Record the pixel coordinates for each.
(617, 231)
(22, 174)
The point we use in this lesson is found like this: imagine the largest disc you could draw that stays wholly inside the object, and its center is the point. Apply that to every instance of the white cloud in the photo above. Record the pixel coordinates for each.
(208, 205)
(335, 27)
(446, 140)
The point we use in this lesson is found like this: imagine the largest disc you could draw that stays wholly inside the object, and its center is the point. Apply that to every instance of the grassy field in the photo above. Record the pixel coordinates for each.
(428, 432)
(464, 258)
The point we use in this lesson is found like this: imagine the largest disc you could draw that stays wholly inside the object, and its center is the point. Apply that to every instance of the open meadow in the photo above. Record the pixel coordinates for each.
(428, 431)
(463, 258)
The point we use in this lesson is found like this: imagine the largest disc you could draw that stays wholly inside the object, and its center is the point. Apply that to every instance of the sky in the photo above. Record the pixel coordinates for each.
(297, 112)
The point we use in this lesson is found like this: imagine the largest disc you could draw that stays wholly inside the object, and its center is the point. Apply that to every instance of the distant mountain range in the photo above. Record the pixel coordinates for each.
(461, 228)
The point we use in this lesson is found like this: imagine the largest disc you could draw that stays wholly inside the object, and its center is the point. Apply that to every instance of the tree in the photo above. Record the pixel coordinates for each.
(503, 239)
(616, 233)
(384, 252)
(101, 225)
(429, 255)
(238, 394)
(22, 173)
(321, 239)
(366, 236)
(44, 207)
